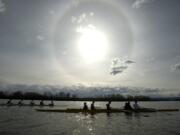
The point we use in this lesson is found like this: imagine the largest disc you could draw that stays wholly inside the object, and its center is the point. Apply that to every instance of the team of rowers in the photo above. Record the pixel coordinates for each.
(127, 106)
(20, 103)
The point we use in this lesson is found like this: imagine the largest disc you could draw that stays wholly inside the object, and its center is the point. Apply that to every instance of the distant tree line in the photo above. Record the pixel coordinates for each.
(66, 96)
(36, 96)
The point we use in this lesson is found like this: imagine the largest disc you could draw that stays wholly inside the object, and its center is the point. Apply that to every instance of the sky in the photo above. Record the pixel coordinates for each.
(67, 42)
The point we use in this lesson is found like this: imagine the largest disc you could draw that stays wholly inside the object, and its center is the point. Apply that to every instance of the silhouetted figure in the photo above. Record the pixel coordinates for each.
(136, 106)
(41, 103)
(52, 103)
(127, 106)
(20, 102)
(85, 107)
(32, 103)
(92, 105)
(9, 102)
(108, 105)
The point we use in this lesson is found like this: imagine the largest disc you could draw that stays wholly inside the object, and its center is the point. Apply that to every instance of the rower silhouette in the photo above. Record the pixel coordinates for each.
(20, 102)
(127, 106)
(85, 107)
(92, 105)
(9, 102)
(41, 103)
(108, 105)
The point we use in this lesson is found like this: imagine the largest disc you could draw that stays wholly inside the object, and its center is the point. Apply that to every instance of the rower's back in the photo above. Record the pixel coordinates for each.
(92, 106)
(85, 107)
(108, 105)
(128, 106)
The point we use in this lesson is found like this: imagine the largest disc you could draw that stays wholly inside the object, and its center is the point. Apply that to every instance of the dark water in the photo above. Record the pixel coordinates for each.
(26, 121)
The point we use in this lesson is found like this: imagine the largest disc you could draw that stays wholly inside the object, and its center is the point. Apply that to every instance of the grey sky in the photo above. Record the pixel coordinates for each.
(38, 42)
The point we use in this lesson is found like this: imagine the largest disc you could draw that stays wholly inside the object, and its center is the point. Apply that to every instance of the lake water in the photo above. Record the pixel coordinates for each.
(16, 120)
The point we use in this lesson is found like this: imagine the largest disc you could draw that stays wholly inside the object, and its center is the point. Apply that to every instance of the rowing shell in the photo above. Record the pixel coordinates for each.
(25, 105)
(68, 110)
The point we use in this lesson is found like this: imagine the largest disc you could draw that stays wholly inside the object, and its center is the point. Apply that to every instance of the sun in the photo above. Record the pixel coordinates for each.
(92, 44)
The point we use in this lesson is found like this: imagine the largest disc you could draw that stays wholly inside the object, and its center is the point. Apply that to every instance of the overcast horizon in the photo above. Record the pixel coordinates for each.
(132, 43)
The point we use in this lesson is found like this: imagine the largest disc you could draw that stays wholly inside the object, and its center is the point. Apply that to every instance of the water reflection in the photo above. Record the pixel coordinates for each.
(86, 124)
(25, 120)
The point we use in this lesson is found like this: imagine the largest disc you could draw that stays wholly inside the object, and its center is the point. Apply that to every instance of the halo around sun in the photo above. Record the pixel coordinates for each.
(85, 40)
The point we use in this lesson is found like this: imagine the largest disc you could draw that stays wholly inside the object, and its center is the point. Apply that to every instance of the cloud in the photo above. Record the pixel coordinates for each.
(94, 91)
(86, 29)
(176, 67)
(82, 18)
(140, 3)
(2, 6)
(79, 19)
(119, 66)
(129, 62)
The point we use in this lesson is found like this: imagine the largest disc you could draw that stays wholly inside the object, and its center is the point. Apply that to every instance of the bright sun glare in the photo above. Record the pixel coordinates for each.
(92, 44)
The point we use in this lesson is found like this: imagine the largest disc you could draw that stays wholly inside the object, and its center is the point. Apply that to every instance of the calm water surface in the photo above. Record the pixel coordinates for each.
(26, 121)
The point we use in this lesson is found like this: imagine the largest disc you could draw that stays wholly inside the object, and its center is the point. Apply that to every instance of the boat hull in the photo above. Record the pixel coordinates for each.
(104, 110)
(25, 105)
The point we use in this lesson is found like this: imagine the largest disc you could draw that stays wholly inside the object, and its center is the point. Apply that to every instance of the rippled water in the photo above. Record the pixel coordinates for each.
(26, 121)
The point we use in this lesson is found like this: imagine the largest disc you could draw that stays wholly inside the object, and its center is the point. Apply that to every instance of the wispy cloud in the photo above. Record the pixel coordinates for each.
(82, 18)
(84, 91)
(140, 3)
(119, 66)
(2, 6)
(82, 29)
(176, 67)
(129, 62)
